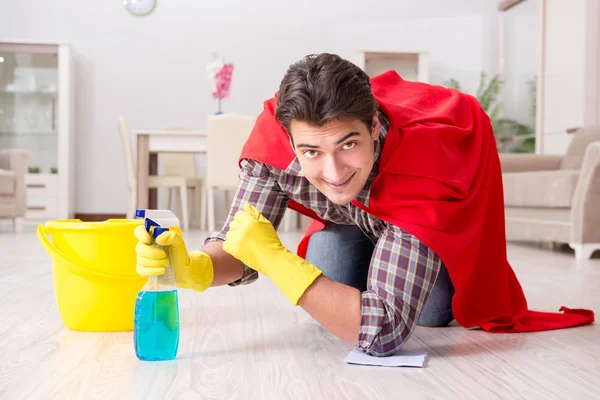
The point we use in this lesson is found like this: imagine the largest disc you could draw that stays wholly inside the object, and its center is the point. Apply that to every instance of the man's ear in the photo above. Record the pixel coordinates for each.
(376, 126)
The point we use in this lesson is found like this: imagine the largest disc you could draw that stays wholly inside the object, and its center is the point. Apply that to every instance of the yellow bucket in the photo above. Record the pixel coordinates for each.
(95, 282)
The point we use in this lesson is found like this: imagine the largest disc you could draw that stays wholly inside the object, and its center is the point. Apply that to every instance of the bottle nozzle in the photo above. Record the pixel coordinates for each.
(157, 231)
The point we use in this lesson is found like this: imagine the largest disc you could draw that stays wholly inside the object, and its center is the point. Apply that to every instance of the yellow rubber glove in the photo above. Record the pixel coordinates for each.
(193, 270)
(252, 239)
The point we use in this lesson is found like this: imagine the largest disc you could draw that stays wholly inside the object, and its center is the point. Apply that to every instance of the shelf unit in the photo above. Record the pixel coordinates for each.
(411, 66)
(36, 113)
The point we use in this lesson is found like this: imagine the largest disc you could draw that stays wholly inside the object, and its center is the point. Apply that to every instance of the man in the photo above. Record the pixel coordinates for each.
(403, 180)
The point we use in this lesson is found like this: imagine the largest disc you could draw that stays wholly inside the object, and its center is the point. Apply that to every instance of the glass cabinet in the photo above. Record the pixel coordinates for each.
(36, 97)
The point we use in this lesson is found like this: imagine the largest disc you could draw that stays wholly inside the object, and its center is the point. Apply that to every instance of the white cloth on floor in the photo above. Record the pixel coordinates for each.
(400, 359)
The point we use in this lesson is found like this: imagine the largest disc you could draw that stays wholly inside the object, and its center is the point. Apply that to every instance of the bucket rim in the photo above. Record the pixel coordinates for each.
(60, 260)
(78, 225)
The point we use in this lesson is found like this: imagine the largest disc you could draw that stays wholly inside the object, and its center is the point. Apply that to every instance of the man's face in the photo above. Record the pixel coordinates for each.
(336, 158)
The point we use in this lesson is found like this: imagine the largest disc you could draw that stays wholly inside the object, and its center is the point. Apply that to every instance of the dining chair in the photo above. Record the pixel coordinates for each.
(184, 164)
(179, 183)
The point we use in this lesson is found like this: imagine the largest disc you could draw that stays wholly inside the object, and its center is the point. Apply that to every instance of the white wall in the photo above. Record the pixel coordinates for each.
(521, 60)
(592, 65)
(456, 46)
(152, 69)
(570, 71)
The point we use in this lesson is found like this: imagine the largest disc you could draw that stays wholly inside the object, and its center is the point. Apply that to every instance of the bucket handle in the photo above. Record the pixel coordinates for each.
(54, 251)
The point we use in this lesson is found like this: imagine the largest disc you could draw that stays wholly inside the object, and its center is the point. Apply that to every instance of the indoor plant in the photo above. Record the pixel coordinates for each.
(220, 73)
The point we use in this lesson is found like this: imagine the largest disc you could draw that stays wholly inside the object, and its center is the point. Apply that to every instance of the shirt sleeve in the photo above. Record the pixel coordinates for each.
(402, 273)
(257, 186)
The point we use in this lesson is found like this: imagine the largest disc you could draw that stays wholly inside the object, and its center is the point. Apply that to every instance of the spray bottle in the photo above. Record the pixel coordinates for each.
(156, 322)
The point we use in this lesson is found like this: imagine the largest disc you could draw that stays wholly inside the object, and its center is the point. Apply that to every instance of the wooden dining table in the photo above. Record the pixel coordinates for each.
(152, 142)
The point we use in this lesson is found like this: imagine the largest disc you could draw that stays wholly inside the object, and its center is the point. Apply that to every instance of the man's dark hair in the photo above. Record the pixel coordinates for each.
(322, 88)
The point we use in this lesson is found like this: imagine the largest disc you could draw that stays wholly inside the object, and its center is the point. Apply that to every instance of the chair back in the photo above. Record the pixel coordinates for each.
(227, 134)
(127, 151)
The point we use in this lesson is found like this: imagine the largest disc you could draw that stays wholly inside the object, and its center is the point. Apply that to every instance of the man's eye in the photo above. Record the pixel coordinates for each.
(310, 153)
(349, 145)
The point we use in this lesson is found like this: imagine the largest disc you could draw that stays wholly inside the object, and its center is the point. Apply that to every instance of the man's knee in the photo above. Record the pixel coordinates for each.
(436, 320)
(343, 253)
(437, 311)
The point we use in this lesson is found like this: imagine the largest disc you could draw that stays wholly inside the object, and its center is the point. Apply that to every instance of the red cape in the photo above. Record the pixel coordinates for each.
(439, 179)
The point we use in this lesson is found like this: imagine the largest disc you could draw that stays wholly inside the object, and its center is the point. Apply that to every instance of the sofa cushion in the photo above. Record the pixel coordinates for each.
(553, 189)
(573, 158)
(7, 182)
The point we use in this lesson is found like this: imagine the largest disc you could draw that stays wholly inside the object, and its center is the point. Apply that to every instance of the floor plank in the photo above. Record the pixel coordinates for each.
(250, 343)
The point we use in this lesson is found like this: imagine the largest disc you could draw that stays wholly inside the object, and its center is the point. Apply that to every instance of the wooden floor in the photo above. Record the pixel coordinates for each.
(250, 343)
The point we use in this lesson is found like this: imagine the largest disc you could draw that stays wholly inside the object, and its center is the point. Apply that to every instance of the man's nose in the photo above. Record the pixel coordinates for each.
(333, 171)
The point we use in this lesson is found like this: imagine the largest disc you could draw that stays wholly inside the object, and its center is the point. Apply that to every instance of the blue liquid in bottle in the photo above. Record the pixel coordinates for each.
(156, 317)
(156, 335)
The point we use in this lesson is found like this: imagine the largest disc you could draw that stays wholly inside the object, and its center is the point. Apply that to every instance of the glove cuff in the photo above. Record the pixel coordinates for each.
(293, 275)
(199, 272)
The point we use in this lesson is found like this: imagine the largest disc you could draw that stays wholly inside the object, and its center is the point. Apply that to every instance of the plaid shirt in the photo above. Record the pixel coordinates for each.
(402, 271)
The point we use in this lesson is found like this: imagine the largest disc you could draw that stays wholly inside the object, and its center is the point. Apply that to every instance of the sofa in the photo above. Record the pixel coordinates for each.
(555, 198)
(14, 164)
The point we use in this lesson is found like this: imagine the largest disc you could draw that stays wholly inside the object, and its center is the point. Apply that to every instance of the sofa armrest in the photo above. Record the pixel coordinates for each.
(17, 161)
(585, 211)
(529, 162)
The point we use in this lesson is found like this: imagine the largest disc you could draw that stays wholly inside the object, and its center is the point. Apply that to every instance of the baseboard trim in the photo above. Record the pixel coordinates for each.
(537, 221)
(98, 217)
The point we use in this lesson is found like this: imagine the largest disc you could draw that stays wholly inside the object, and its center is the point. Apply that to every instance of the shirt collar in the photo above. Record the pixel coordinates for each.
(365, 193)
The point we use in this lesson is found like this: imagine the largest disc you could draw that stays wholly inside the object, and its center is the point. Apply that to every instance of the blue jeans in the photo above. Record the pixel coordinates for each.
(343, 253)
